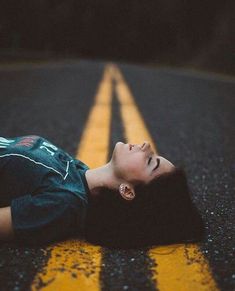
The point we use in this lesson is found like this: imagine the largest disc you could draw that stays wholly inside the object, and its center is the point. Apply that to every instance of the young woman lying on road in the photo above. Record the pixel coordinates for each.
(137, 199)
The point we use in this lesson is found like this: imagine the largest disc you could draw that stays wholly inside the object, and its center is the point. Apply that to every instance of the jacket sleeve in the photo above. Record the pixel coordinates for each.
(47, 217)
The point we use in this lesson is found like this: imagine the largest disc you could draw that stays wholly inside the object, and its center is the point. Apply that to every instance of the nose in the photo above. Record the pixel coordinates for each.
(145, 145)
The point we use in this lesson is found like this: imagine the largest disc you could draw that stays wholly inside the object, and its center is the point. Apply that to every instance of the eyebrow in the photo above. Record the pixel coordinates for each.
(158, 164)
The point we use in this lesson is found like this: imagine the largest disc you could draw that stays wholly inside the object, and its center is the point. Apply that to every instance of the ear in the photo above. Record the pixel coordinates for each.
(127, 191)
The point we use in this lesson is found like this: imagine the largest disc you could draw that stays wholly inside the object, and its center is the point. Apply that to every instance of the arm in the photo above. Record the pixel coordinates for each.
(6, 229)
(45, 217)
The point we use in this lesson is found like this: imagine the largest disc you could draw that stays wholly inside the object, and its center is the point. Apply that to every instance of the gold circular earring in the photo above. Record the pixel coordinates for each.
(122, 188)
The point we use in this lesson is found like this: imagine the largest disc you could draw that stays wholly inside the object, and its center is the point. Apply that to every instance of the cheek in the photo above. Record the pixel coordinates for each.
(129, 165)
(134, 166)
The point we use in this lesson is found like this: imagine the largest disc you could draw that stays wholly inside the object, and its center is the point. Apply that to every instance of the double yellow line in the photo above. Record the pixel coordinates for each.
(76, 265)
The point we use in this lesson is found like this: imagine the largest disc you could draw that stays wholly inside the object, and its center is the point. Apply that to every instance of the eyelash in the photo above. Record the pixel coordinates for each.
(149, 160)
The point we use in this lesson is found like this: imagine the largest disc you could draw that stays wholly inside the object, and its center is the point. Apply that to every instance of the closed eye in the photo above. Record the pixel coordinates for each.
(158, 164)
(149, 160)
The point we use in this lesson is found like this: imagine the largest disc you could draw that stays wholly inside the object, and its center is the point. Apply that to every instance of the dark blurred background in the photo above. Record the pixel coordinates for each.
(193, 33)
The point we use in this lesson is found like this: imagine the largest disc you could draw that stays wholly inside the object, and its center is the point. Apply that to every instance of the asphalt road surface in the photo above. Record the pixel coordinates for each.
(191, 116)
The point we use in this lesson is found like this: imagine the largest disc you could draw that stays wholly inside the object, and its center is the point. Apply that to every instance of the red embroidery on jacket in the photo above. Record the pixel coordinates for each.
(27, 141)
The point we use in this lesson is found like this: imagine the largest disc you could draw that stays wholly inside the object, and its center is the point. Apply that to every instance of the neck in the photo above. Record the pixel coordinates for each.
(101, 177)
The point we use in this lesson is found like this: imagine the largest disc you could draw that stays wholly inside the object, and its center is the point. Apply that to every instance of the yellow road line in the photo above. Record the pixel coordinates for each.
(93, 149)
(179, 267)
(73, 264)
(135, 129)
(182, 267)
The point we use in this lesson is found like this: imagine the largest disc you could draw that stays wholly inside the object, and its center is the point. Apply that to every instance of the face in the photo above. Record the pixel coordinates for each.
(138, 163)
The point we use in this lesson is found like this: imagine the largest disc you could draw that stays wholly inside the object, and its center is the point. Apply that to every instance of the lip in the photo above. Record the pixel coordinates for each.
(130, 146)
(133, 145)
(142, 146)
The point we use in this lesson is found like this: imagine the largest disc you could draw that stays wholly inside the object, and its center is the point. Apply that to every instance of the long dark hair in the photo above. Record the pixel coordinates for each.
(161, 213)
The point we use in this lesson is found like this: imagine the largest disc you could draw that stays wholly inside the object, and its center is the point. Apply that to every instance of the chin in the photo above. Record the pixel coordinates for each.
(118, 145)
(116, 149)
